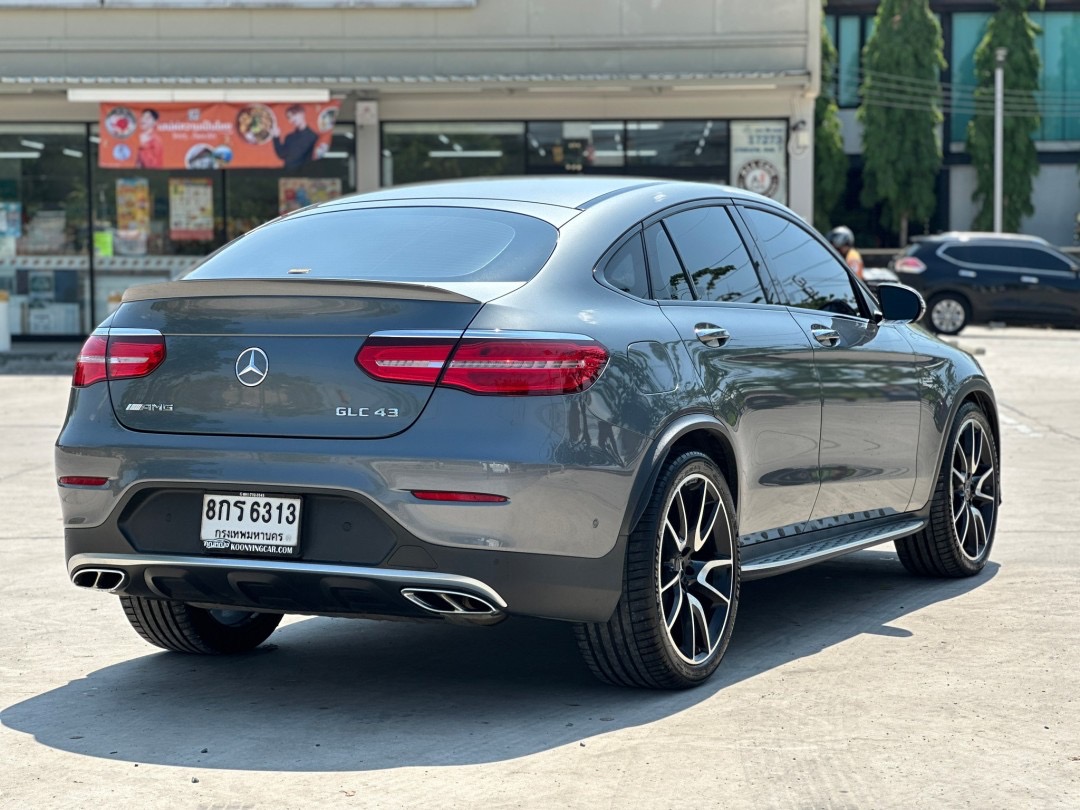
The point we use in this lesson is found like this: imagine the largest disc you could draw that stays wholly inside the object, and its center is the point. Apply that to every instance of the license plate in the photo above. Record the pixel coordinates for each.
(250, 523)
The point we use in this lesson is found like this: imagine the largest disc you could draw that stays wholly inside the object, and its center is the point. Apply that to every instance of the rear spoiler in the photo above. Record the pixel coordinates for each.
(468, 292)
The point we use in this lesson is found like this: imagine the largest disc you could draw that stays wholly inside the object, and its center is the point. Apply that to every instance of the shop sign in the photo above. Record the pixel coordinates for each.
(214, 136)
(759, 157)
(191, 209)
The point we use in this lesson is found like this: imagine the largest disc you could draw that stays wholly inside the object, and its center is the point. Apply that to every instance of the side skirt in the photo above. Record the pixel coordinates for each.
(770, 562)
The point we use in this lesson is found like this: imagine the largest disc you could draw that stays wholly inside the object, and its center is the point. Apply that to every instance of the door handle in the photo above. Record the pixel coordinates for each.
(825, 336)
(712, 336)
(1030, 279)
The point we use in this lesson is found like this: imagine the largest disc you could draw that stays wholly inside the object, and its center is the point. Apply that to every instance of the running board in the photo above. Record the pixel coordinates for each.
(781, 562)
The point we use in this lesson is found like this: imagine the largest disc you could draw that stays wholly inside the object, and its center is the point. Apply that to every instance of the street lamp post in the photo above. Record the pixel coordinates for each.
(999, 134)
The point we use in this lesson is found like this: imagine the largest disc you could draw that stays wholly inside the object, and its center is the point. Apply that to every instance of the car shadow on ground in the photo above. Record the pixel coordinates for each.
(340, 694)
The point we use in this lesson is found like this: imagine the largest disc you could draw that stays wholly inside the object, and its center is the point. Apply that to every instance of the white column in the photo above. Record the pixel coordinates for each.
(368, 158)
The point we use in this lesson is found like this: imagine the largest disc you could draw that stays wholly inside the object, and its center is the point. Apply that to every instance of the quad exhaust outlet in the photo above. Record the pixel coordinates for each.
(452, 603)
(99, 579)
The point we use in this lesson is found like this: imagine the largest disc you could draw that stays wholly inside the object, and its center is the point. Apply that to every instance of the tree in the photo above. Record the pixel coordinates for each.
(830, 162)
(901, 112)
(1009, 28)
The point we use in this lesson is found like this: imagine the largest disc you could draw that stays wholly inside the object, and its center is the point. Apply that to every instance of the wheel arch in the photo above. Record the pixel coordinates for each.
(702, 432)
(978, 391)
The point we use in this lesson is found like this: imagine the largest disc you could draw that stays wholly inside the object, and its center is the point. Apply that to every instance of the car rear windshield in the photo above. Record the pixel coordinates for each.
(390, 244)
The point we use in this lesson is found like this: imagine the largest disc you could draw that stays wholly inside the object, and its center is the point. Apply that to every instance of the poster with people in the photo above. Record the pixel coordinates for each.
(214, 136)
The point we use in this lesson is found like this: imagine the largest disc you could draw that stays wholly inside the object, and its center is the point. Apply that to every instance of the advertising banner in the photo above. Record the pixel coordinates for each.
(132, 216)
(214, 136)
(191, 209)
(10, 219)
(759, 157)
(297, 192)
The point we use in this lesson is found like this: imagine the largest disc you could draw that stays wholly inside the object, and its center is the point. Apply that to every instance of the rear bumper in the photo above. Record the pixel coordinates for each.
(512, 583)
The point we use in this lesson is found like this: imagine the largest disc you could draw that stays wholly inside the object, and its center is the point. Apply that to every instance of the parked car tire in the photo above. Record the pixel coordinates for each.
(948, 313)
(180, 627)
(963, 514)
(673, 621)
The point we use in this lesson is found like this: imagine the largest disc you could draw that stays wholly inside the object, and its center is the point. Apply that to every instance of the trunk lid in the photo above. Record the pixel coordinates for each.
(277, 357)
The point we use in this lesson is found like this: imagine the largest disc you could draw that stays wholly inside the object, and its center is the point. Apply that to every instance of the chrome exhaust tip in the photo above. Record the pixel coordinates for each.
(107, 580)
(450, 603)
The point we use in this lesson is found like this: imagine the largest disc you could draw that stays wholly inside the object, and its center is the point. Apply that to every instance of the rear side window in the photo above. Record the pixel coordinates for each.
(714, 255)
(669, 282)
(810, 276)
(1016, 258)
(390, 244)
(626, 270)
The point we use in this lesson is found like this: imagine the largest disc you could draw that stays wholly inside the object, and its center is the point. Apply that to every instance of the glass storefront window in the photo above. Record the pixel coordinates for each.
(1060, 85)
(445, 150)
(678, 144)
(153, 225)
(254, 196)
(44, 228)
(575, 146)
(968, 29)
(849, 48)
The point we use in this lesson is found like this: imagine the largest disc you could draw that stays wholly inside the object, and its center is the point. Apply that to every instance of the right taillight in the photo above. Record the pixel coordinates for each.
(117, 357)
(491, 366)
(908, 264)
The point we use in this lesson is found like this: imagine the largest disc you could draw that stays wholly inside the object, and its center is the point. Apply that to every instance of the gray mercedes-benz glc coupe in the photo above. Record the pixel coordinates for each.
(601, 400)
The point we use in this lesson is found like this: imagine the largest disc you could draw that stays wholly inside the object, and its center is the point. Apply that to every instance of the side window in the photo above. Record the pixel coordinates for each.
(669, 282)
(714, 255)
(626, 269)
(975, 254)
(808, 273)
(1006, 256)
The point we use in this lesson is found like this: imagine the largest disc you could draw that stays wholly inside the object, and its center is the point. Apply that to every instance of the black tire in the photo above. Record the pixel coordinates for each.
(948, 313)
(956, 541)
(673, 622)
(179, 627)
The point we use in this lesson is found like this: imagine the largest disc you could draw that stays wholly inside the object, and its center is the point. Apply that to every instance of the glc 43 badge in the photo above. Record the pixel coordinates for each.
(386, 413)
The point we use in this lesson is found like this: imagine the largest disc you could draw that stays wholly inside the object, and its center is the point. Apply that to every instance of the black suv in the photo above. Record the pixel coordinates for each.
(981, 277)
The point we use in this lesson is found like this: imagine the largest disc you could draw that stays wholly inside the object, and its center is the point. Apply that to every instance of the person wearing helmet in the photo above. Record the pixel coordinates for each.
(844, 241)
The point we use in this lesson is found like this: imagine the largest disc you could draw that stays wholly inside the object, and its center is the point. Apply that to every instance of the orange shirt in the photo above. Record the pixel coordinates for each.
(151, 152)
(855, 261)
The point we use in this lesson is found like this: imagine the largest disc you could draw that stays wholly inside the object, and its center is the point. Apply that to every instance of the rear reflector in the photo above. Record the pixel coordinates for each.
(459, 497)
(908, 264)
(82, 481)
(117, 358)
(491, 366)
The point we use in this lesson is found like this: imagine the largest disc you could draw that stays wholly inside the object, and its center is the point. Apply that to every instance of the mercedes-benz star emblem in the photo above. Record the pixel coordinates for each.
(252, 366)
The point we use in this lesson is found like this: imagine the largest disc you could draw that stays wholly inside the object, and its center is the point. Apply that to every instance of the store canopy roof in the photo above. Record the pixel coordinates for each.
(724, 80)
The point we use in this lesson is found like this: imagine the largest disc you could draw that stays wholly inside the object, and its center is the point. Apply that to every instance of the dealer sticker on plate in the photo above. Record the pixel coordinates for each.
(250, 523)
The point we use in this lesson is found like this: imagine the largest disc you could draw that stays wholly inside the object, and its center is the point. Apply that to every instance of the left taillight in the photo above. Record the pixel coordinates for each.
(117, 357)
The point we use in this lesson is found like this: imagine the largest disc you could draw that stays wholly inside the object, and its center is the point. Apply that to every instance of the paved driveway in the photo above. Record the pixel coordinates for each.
(850, 684)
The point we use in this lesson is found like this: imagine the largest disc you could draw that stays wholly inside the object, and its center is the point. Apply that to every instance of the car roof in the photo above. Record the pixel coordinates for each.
(980, 236)
(575, 192)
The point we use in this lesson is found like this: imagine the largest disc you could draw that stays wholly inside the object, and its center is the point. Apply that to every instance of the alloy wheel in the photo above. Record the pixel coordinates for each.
(974, 489)
(948, 315)
(695, 569)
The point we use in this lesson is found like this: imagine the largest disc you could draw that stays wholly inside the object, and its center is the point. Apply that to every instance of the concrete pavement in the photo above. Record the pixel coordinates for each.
(847, 685)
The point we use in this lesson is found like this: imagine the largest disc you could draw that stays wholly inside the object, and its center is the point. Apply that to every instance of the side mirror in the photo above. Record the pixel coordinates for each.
(900, 303)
